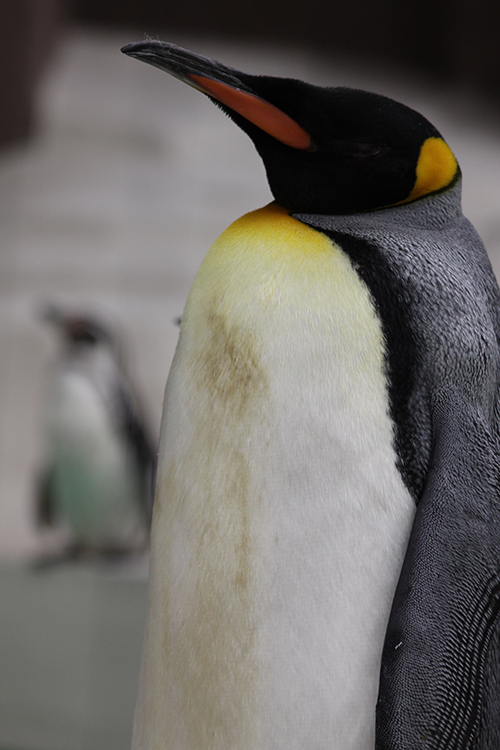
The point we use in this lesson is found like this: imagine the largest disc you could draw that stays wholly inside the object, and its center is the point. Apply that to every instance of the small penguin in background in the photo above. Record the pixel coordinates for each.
(325, 562)
(99, 465)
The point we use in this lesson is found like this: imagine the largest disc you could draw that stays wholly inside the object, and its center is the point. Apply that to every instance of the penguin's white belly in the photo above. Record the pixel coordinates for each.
(281, 520)
(94, 486)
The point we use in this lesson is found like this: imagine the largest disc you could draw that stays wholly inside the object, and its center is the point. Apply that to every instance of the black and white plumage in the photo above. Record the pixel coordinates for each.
(99, 460)
(439, 304)
(326, 541)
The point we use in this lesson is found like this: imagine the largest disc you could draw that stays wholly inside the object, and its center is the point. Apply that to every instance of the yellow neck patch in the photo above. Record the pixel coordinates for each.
(436, 168)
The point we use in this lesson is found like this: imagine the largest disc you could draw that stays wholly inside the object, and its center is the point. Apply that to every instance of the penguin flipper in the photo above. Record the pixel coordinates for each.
(440, 675)
(140, 445)
(45, 506)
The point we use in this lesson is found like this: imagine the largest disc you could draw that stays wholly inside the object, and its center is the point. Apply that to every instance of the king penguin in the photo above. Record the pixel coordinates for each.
(326, 537)
(97, 480)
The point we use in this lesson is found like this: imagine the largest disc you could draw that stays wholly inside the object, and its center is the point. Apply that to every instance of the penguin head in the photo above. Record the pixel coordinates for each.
(78, 331)
(325, 150)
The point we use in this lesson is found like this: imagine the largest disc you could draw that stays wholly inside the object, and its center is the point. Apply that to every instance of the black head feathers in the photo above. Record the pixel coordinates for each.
(325, 150)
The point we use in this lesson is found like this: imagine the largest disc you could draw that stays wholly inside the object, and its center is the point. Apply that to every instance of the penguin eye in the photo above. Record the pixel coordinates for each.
(368, 150)
(361, 149)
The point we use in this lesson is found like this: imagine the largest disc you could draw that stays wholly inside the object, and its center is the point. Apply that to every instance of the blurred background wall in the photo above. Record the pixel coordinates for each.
(450, 39)
(453, 41)
(28, 29)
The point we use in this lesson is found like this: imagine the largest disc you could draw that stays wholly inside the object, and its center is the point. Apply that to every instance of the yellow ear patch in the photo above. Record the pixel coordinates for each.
(436, 167)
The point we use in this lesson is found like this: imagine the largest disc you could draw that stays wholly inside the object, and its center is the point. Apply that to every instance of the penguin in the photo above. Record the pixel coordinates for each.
(98, 470)
(325, 567)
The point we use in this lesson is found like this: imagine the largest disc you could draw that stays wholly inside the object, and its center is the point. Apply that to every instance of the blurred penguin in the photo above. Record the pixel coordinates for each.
(98, 477)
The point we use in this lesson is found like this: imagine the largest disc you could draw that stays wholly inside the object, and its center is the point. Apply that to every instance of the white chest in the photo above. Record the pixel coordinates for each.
(281, 520)
(95, 487)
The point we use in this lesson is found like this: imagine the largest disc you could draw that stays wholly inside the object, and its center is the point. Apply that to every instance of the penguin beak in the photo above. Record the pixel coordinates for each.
(224, 85)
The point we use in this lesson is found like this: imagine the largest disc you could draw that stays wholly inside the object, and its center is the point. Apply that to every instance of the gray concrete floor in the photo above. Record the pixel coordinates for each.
(70, 649)
(111, 209)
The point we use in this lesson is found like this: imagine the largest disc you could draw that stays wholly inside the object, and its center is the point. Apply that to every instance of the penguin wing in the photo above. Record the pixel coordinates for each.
(440, 676)
(45, 507)
(138, 442)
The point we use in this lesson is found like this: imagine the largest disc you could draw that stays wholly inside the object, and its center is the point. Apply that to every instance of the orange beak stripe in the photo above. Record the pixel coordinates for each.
(265, 116)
